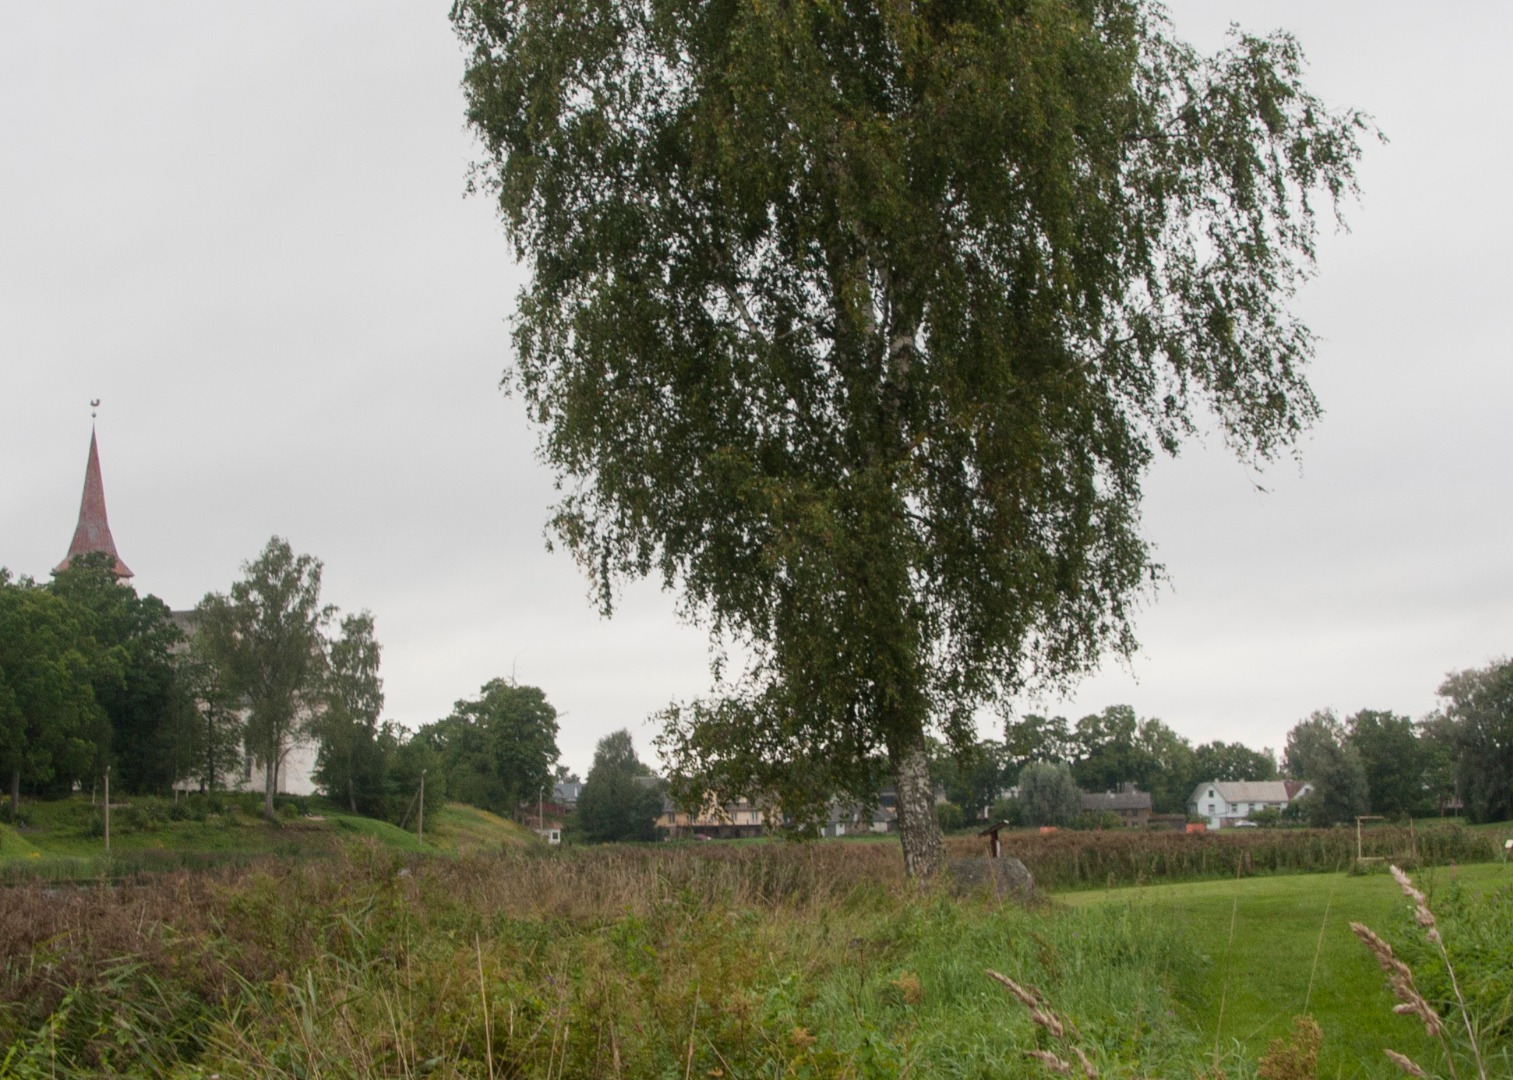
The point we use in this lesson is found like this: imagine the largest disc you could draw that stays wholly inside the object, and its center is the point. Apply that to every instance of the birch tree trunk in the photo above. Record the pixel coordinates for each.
(270, 781)
(924, 849)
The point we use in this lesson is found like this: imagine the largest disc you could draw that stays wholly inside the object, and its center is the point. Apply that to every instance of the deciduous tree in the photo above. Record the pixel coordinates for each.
(207, 733)
(1048, 795)
(266, 640)
(616, 802)
(1477, 710)
(352, 764)
(1036, 738)
(135, 690)
(49, 716)
(1393, 759)
(1231, 761)
(497, 750)
(973, 776)
(860, 323)
(1106, 750)
(1115, 747)
(1319, 751)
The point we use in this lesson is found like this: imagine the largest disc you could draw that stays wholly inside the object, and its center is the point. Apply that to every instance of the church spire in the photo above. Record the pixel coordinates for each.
(93, 530)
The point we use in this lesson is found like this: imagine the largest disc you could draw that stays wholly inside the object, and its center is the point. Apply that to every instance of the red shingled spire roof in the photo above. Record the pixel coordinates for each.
(93, 531)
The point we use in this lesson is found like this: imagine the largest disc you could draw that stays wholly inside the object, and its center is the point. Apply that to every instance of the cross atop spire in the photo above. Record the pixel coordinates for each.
(93, 530)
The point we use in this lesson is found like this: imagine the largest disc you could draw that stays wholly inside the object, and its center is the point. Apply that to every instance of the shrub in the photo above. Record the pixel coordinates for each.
(1048, 794)
(1128, 856)
(1007, 810)
(1478, 940)
(949, 816)
(1267, 816)
(1103, 819)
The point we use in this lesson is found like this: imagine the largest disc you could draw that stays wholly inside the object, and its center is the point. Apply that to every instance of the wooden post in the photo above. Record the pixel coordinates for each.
(995, 846)
(107, 809)
(420, 822)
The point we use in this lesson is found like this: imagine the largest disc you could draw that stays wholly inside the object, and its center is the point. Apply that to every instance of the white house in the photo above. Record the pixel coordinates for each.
(1229, 802)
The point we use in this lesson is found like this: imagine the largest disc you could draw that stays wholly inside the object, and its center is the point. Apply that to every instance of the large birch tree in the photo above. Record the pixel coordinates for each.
(860, 322)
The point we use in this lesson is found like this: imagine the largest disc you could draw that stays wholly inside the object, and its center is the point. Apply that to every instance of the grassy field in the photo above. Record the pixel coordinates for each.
(758, 960)
(63, 839)
(1277, 947)
(351, 953)
(771, 960)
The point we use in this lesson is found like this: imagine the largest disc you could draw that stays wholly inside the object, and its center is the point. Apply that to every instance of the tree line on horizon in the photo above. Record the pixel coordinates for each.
(95, 677)
(1371, 762)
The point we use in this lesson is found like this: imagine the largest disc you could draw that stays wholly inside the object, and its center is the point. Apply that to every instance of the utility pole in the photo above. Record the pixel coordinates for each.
(107, 809)
(420, 822)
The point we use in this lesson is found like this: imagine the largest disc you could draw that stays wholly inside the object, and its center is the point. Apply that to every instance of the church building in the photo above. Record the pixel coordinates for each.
(91, 534)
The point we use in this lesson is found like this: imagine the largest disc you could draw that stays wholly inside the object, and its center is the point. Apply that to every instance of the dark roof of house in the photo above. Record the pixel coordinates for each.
(1117, 800)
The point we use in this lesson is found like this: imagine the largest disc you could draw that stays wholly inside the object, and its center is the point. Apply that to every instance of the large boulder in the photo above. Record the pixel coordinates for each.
(1005, 877)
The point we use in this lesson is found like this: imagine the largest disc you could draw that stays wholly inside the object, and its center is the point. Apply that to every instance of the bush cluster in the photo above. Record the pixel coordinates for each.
(1073, 859)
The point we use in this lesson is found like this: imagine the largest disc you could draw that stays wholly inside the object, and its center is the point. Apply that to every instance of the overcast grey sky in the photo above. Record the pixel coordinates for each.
(243, 227)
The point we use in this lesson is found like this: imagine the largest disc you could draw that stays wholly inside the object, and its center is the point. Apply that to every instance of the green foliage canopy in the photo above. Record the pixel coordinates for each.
(498, 749)
(1048, 795)
(352, 763)
(50, 720)
(616, 802)
(1393, 758)
(1319, 751)
(1231, 761)
(135, 690)
(1036, 738)
(1477, 713)
(208, 735)
(266, 640)
(860, 324)
(972, 777)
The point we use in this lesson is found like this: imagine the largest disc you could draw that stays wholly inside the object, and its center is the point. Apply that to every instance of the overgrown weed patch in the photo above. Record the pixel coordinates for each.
(778, 959)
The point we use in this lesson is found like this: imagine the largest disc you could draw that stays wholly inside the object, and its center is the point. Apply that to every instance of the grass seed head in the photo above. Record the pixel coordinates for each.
(1048, 1021)
(1050, 1061)
(1402, 1061)
(1028, 998)
(1394, 967)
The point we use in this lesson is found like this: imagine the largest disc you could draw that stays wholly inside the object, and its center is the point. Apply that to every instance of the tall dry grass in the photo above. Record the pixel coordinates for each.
(278, 964)
(709, 960)
(1075, 859)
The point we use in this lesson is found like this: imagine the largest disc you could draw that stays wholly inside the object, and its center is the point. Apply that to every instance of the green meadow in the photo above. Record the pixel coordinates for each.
(1272, 948)
(325, 946)
(63, 839)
